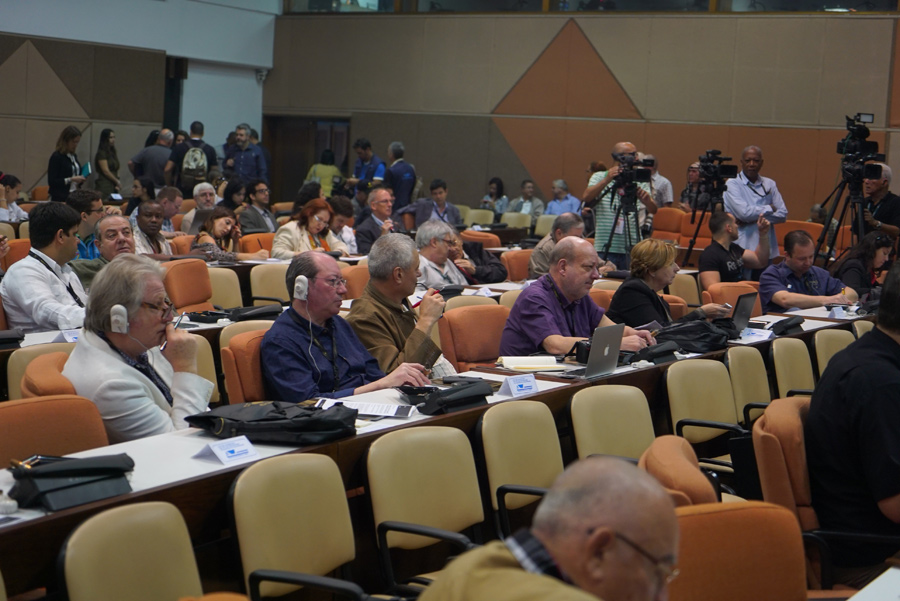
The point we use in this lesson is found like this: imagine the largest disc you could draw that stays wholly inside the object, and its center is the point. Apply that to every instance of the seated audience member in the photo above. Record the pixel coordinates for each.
(169, 198)
(142, 190)
(307, 230)
(527, 203)
(495, 200)
(562, 201)
(434, 240)
(796, 282)
(555, 312)
(476, 264)
(818, 214)
(220, 235)
(605, 530)
(852, 438)
(41, 292)
(724, 260)
(360, 202)
(343, 213)
(205, 197)
(10, 186)
(379, 221)
(139, 390)
(565, 225)
(857, 268)
(257, 218)
(234, 195)
(437, 207)
(90, 207)
(148, 237)
(382, 317)
(113, 237)
(310, 352)
(637, 302)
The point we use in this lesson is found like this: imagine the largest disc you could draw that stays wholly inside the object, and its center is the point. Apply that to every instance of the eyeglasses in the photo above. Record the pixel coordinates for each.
(319, 219)
(262, 190)
(164, 309)
(100, 210)
(449, 242)
(334, 282)
(666, 572)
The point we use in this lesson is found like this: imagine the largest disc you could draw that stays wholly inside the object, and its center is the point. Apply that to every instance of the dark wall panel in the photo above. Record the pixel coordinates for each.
(74, 65)
(135, 92)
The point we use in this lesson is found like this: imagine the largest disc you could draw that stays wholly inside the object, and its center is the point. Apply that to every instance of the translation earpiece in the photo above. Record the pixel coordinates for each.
(301, 287)
(118, 319)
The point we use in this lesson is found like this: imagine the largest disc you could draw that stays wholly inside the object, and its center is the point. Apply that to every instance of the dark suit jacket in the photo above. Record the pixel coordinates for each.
(368, 232)
(635, 304)
(58, 169)
(253, 223)
(426, 205)
(488, 268)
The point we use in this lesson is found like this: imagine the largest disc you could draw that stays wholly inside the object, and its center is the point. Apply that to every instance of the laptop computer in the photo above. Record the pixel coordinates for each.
(743, 308)
(200, 217)
(604, 356)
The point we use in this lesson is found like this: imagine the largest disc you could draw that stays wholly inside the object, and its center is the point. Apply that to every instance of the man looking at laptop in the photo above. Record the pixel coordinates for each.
(555, 312)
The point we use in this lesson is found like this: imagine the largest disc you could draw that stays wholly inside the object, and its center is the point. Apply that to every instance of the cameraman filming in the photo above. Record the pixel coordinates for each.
(750, 195)
(597, 196)
(882, 207)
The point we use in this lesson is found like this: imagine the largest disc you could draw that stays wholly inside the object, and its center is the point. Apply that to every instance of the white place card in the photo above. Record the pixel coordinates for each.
(516, 386)
(230, 451)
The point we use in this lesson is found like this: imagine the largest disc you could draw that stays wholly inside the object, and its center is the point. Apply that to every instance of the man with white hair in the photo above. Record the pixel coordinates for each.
(605, 530)
(434, 240)
(882, 208)
(205, 197)
(562, 201)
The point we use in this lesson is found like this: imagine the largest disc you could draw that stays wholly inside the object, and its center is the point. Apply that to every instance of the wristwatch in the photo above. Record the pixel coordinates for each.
(877, 225)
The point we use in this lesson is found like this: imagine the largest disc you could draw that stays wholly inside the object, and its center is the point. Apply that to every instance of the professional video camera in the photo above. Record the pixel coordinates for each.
(856, 140)
(712, 169)
(632, 171)
(855, 167)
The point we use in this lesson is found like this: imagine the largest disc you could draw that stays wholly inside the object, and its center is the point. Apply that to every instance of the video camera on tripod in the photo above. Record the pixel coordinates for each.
(632, 171)
(713, 176)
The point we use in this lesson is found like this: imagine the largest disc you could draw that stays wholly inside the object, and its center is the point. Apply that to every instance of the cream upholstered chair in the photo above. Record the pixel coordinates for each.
(521, 455)
(749, 381)
(8, 231)
(67, 424)
(422, 476)
(543, 224)
(137, 552)
(479, 217)
(206, 366)
(516, 219)
(20, 358)
(267, 284)
(686, 286)
(828, 343)
(508, 298)
(24, 231)
(226, 288)
(862, 326)
(604, 284)
(468, 301)
(463, 214)
(611, 420)
(793, 368)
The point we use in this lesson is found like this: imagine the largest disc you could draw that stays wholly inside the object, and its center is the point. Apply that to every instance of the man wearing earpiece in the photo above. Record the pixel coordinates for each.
(117, 363)
(310, 352)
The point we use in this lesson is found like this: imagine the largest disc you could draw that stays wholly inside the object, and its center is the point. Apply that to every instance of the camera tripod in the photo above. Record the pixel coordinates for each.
(627, 207)
(709, 202)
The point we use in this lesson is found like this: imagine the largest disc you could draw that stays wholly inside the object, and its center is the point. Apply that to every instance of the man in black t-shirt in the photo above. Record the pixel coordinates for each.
(882, 207)
(852, 436)
(724, 260)
(176, 160)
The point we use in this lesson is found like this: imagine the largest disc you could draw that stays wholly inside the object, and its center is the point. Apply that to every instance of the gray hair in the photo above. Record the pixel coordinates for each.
(885, 172)
(166, 135)
(105, 218)
(397, 149)
(565, 222)
(561, 183)
(388, 252)
(122, 282)
(245, 127)
(303, 264)
(202, 186)
(751, 147)
(431, 229)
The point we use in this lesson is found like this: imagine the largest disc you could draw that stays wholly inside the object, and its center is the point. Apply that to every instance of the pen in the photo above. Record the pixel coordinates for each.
(260, 244)
(162, 346)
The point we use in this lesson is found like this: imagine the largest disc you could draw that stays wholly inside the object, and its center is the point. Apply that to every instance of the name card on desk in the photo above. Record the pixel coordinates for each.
(516, 386)
(838, 313)
(231, 451)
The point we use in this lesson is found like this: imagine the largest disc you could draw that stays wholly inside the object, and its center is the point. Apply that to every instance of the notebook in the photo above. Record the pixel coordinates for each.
(604, 355)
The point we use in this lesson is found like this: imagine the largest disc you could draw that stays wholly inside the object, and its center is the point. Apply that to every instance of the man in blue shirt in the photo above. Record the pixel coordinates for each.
(368, 169)
(437, 207)
(400, 176)
(89, 205)
(246, 159)
(310, 352)
(562, 202)
(797, 283)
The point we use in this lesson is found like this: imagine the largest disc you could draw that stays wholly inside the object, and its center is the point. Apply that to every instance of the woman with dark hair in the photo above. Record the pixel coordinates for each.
(307, 230)
(63, 169)
(219, 235)
(495, 199)
(180, 136)
(325, 173)
(307, 192)
(107, 161)
(857, 268)
(234, 195)
(10, 186)
(152, 137)
(141, 189)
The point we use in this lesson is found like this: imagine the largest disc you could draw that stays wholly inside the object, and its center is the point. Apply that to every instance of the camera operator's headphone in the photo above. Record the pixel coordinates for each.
(118, 319)
(301, 287)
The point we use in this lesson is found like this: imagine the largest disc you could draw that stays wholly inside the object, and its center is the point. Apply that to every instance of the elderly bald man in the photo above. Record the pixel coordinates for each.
(605, 530)
(555, 312)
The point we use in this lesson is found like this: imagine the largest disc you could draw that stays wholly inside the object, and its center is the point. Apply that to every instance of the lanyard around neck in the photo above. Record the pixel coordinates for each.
(315, 341)
(68, 286)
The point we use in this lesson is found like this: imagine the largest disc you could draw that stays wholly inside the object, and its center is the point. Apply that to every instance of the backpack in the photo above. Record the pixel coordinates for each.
(193, 167)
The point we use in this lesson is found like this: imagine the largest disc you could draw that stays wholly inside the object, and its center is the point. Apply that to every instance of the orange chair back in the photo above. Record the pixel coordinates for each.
(602, 297)
(242, 366)
(672, 461)
(357, 277)
(471, 335)
(176, 221)
(280, 207)
(187, 205)
(782, 229)
(843, 241)
(728, 292)
(187, 284)
(40, 193)
(252, 243)
(487, 239)
(667, 224)
(181, 245)
(49, 425)
(43, 376)
(704, 236)
(18, 250)
(516, 263)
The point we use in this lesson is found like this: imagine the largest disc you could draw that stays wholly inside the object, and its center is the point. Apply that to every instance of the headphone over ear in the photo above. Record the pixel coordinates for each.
(118, 319)
(301, 287)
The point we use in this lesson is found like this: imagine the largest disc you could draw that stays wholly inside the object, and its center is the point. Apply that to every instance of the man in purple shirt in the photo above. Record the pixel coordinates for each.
(555, 312)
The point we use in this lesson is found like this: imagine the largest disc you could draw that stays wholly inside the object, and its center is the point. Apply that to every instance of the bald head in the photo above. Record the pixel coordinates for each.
(624, 148)
(569, 248)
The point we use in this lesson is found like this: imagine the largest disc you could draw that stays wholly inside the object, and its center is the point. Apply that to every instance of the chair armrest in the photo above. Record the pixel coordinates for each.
(826, 568)
(750, 407)
(701, 423)
(461, 541)
(503, 512)
(631, 460)
(799, 392)
(269, 298)
(342, 588)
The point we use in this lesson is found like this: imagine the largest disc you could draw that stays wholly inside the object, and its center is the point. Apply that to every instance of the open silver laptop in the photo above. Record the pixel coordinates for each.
(604, 356)
(743, 308)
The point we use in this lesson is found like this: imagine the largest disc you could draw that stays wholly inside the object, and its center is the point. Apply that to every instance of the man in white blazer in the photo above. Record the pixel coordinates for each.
(117, 363)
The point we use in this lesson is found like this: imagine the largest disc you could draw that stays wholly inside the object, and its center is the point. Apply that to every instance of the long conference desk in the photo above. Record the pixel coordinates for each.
(165, 470)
